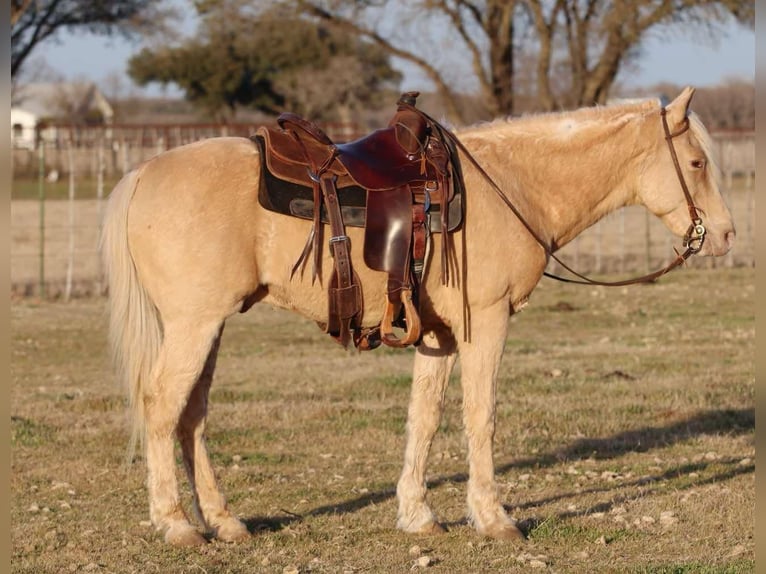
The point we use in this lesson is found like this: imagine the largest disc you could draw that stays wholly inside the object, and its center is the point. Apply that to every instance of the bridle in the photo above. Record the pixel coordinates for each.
(695, 235)
(693, 239)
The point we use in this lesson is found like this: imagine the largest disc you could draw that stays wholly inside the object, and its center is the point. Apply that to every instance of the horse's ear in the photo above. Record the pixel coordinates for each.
(678, 109)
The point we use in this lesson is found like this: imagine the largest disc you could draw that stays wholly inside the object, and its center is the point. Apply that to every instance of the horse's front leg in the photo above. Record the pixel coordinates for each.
(434, 360)
(480, 361)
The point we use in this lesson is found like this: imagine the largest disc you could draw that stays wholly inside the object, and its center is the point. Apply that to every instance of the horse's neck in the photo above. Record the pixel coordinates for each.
(566, 172)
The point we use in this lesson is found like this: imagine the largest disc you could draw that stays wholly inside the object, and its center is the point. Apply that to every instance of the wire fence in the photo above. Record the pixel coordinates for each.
(54, 242)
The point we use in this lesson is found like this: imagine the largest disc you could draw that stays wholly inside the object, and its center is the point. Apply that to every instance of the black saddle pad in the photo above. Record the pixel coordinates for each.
(289, 198)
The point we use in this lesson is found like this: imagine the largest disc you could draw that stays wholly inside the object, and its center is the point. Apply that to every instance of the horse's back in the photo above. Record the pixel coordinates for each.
(203, 174)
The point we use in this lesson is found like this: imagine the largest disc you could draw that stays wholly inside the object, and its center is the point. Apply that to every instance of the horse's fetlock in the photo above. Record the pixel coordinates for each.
(231, 530)
(181, 533)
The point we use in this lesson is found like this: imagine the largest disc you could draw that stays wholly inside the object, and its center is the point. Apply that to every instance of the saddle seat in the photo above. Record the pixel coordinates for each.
(403, 172)
(374, 162)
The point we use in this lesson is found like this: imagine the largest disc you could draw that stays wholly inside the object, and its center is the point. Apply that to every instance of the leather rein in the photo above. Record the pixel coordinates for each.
(692, 241)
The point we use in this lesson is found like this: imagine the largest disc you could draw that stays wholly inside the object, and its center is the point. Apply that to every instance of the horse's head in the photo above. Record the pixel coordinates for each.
(661, 187)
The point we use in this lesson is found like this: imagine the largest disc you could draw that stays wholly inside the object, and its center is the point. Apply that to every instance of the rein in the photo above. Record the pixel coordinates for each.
(692, 241)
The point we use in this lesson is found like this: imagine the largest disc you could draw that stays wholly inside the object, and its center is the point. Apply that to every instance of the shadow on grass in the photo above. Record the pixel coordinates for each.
(257, 523)
(528, 525)
(723, 421)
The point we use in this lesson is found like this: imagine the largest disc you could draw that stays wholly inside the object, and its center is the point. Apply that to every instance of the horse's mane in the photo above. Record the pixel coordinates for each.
(538, 125)
(584, 122)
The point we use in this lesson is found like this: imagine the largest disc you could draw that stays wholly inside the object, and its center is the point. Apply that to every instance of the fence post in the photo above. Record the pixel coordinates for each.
(70, 258)
(125, 154)
(751, 219)
(41, 196)
(99, 211)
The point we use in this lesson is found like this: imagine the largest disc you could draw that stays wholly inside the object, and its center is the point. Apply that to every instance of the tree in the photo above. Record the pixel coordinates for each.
(600, 35)
(242, 57)
(36, 21)
(575, 48)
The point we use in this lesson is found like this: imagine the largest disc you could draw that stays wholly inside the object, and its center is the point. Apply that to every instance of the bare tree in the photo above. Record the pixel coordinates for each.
(33, 22)
(601, 36)
(18, 7)
(71, 101)
(584, 41)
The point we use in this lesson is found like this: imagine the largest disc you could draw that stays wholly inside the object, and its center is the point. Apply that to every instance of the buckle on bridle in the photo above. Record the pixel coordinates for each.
(695, 236)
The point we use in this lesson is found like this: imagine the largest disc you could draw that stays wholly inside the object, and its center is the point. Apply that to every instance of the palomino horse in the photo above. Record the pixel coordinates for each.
(187, 245)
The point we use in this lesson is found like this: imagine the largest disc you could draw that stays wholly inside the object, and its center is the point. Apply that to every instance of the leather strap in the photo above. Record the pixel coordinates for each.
(345, 301)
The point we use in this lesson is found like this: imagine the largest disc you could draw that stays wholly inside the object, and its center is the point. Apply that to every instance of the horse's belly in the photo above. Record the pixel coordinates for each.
(281, 240)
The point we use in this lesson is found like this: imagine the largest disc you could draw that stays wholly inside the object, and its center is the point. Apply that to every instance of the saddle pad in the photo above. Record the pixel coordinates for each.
(287, 197)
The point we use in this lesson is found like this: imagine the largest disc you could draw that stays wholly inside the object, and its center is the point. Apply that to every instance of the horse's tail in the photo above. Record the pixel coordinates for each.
(135, 328)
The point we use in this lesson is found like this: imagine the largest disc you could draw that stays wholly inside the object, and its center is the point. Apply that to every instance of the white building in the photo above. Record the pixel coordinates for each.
(35, 105)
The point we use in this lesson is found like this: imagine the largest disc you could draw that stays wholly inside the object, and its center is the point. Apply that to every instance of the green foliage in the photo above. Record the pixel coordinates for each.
(258, 60)
(26, 432)
(396, 381)
(558, 531)
(740, 566)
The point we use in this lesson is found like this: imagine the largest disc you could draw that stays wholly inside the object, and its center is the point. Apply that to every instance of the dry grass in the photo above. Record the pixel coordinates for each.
(625, 442)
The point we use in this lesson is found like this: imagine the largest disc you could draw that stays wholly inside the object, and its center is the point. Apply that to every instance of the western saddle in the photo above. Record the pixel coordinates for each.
(400, 183)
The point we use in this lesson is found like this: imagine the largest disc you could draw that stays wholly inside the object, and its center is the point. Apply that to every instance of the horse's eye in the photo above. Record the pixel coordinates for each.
(698, 163)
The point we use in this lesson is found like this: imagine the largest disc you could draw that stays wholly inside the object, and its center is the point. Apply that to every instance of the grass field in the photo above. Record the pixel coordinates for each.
(625, 442)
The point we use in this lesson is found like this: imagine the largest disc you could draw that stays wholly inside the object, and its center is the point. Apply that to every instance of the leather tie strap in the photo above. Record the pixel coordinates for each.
(345, 301)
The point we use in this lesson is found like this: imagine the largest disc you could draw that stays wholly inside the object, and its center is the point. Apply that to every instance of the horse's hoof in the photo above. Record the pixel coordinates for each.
(503, 532)
(184, 535)
(232, 531)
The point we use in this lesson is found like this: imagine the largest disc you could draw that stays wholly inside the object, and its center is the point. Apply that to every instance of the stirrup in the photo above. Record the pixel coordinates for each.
(410, 316)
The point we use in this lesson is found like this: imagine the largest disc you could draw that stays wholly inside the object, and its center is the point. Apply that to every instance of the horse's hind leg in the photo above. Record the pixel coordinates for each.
(434, 360)
(209, 502)
(185, 349)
